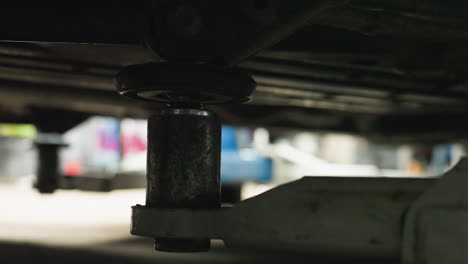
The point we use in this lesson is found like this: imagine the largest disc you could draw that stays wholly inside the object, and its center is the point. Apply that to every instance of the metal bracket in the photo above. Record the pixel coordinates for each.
(436, 226)
(327, 216)
(177, 223)
(420, 221)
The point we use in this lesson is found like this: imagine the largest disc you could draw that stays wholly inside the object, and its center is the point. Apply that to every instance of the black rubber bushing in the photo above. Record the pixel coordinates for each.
(185, 83)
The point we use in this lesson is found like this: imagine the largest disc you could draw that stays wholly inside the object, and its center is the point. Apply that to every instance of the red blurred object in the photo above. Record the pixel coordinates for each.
(72, 168)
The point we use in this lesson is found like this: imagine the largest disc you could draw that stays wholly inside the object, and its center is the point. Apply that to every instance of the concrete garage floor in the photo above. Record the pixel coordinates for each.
(83, 227)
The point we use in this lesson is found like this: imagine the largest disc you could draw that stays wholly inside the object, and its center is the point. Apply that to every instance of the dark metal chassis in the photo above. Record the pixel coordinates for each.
(383, 69)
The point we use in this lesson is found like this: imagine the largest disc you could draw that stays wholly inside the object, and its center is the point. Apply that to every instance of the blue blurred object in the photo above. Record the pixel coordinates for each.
(228, 139)
(441, 158)
(241, 165)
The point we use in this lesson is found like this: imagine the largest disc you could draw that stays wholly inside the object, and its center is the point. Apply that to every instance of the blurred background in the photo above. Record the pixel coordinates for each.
(108, 155)
(102, 147)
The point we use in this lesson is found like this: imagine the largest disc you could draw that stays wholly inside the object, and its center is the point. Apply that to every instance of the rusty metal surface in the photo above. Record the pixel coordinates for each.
(183, 167)
(183, 160)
